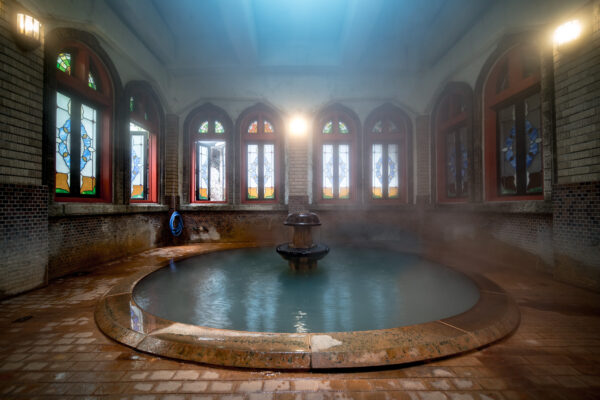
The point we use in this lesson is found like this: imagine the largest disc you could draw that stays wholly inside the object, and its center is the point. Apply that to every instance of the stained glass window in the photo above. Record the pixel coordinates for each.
(269, 171)
(533, 141)
(252, 156)
(253, 128)
(328, 171)
(63, 62)
(88, 148)
(92, 81)
(378, 128)
(131, 104)
(328, 128)
(219, 129)
(203, 127)
(211, 170)
(139, 160)
(63, 143)
(385, 178)
(343, 128)
(268, 127)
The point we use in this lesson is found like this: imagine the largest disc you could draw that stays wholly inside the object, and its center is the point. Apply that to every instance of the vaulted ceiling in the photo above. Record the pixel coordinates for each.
(399, 35)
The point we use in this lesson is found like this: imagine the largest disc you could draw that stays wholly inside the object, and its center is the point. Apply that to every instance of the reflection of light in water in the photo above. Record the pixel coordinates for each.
(337, 310)
(136, 317)
(300, 323)
(212, 300)
(262, 297)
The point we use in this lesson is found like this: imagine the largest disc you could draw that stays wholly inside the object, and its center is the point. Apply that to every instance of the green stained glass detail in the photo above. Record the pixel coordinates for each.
(328, 128)
(131, 104)
(203, 127)
(92, 81)
(343, 128)
(61, 190)
(146, 116)
(219, 127)
(63, 62)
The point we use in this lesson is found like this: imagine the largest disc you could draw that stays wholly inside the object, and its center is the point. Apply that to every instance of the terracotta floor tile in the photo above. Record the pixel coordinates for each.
(60, 354)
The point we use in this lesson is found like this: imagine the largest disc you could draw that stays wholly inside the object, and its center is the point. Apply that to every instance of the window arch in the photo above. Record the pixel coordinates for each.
(513, 126)
(453, 132)
(209, 131)
(82, 122)
(335, 154)
(261, 144)
(387, 139)
(145, 126)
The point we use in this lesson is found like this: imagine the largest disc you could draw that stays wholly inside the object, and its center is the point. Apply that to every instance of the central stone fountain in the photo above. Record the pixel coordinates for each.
(302, 253)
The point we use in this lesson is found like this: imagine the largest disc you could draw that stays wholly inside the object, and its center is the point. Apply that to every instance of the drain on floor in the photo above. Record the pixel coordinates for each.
(23, 319)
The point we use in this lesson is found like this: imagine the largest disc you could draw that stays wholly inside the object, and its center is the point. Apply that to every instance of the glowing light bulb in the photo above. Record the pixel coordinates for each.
(567, 32)
(298, 126)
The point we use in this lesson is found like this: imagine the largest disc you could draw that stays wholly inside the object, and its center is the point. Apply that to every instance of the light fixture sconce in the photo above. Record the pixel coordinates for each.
(28, 32)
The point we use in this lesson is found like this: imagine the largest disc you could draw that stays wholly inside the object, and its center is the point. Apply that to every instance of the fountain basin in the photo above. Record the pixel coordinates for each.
(491, 318)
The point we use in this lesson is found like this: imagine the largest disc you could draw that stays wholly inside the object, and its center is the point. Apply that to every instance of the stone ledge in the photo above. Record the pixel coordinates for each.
(74, 209)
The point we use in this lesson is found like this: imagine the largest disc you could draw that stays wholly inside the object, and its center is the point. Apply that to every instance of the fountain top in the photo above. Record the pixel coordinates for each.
(302, 219)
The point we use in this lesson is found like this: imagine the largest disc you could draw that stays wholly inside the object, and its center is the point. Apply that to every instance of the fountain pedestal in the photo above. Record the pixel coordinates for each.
(302, 253)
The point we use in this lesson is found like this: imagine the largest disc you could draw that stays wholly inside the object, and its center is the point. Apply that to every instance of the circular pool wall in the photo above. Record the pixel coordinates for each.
(355, 292)
(353, 289)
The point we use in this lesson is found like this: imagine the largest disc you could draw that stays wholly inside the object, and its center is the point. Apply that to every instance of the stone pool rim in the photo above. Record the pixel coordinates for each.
(494, 316)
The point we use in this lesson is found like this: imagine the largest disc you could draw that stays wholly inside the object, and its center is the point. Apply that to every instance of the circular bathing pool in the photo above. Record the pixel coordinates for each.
(246, 308)
(351, 290)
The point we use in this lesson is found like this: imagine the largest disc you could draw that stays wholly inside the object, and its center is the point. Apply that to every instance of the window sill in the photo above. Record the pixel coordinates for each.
(233, 207)
(73, 209)
(508, 207)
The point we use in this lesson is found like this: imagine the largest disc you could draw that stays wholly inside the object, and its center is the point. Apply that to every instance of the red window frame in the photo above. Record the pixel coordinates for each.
(454, 110)
(260, 113)
(511, 64)
(211, 114)
(387, 113)
(145, 114)
(335, 114)
(84, 61)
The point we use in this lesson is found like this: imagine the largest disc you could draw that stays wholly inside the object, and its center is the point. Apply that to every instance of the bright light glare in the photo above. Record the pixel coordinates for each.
(298, 126)
(567, 32)
(28, 26)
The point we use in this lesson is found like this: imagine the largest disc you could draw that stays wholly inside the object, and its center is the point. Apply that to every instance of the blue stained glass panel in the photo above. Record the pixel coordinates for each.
(508, 143)
(88, 148)
(269, 171)
(393, 175)
(328, 171)
(533, 140)
(252, 167)
(63, 143)
(138, 161)
(344, 171)
(377, 171)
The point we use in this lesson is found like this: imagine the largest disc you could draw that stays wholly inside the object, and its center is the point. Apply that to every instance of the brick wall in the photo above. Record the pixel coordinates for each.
(23, 237)
(577, 83)
(172, 156)
(21, 82)
(23, 199)
(79, 243)
(576, 212)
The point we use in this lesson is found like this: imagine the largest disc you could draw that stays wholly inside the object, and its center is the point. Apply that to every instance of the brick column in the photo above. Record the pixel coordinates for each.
(298, 173)
(172, 161)
(423, 175)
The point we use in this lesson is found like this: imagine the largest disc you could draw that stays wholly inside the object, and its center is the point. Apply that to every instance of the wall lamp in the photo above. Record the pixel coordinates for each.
(28, 32)
(567, 32)
(298, 126)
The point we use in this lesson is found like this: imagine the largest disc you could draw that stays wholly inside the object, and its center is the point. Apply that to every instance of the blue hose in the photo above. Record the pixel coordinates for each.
(176, 229)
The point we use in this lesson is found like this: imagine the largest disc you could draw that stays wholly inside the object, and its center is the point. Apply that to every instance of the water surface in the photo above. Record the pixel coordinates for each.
(352, 289)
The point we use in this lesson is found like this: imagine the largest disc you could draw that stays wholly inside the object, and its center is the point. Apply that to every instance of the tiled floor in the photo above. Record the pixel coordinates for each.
(50, 348)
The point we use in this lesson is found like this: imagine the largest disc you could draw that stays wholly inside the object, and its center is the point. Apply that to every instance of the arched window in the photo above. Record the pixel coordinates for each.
(83, 103)
(335, 155)
(452, 127)
(209, 130)
(512, 123)
(261, 146)
(144, 126)
(387, 134)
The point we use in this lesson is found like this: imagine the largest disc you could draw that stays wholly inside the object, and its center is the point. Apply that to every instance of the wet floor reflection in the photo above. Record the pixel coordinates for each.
(352, 289)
